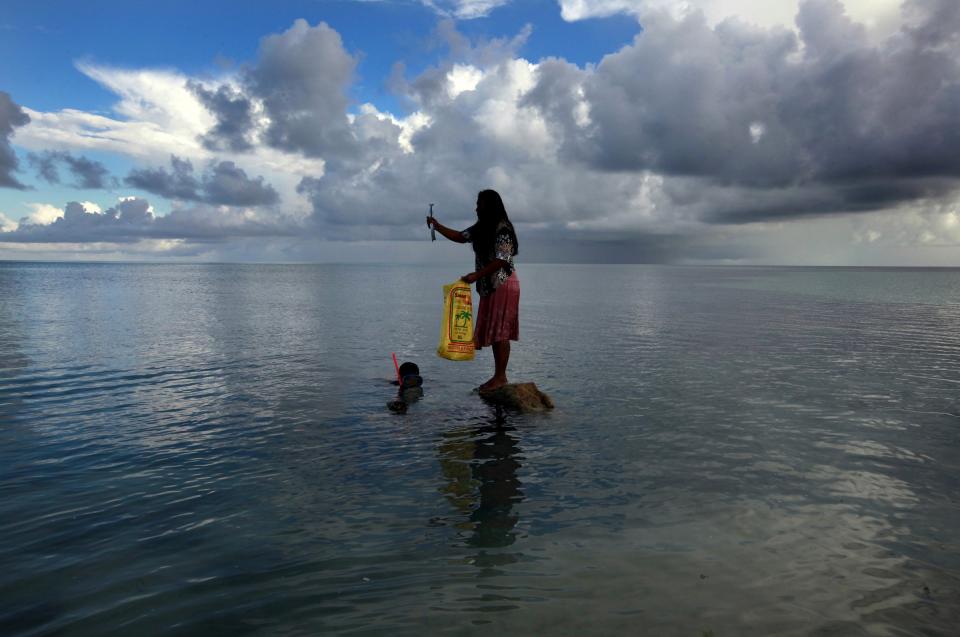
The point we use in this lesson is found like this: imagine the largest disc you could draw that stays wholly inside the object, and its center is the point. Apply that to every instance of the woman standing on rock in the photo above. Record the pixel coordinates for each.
(494, 244)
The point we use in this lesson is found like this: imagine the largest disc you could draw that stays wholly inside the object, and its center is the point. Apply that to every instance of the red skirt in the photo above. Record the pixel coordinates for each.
(498, 318)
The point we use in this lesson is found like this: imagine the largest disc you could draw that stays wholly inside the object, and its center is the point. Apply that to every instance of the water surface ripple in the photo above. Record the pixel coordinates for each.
(205, 450)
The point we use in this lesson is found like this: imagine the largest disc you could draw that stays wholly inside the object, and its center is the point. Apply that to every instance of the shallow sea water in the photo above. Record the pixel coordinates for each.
(206, 450)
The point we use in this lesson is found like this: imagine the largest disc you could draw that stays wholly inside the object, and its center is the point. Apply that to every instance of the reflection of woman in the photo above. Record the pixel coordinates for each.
(494, 245)
(481, 466)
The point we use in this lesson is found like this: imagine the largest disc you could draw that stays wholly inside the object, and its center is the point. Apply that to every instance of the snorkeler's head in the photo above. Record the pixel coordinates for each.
(409, 369)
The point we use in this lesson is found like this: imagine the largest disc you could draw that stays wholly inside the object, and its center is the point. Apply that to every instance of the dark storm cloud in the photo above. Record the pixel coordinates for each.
(234, 113)
(131, 220)
(679, 101)
(637, 247)
(768, 111)
(11, 116)
(643, 248)
(224, 183)
(87, 173)
(738, 205)
(862, 112)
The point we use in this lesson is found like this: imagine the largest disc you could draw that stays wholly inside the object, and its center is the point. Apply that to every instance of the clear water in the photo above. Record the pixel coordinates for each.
(206, 450)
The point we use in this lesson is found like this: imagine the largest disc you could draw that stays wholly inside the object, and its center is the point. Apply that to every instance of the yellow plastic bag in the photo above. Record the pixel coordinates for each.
(456, 331)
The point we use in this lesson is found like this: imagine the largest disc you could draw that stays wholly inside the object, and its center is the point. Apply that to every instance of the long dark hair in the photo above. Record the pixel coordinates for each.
(490, 215)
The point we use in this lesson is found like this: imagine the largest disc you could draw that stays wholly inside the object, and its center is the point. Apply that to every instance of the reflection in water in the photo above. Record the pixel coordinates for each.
(480, 465)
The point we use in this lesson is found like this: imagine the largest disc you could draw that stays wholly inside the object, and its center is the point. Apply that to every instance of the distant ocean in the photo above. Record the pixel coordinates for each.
(206, 450)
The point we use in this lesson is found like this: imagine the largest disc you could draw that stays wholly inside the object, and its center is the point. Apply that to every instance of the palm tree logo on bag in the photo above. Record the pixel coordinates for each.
(462, 318)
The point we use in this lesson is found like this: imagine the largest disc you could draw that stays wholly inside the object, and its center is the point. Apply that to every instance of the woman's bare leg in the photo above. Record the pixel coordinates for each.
(501, 356)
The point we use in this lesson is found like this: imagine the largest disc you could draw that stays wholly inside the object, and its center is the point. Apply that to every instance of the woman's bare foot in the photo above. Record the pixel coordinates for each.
(494, 383)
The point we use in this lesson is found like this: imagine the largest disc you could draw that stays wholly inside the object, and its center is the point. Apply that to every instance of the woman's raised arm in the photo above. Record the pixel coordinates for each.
(449, 233)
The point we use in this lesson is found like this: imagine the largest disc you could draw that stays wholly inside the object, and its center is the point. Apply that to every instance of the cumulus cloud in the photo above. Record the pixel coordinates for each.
(11, 116)
(224, 183)
(301, 76)
(44, 213)
(87, 173)
(292, 98)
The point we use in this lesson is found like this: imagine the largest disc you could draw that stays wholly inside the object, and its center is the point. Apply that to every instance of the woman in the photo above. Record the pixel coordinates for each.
(494, 244)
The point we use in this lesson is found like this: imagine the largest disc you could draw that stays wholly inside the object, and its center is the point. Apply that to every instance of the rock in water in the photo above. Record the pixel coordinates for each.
(522, 396)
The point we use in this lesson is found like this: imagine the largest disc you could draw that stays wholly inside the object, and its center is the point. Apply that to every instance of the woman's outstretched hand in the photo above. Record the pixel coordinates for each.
(453, 235)
(470, 278)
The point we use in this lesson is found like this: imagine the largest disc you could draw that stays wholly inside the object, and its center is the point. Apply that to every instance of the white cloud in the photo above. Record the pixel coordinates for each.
(153, 96)
(7, 224)
(43, 213)
(461, 78)
(79, 130)
(159, 117)
(464, 9)
(502, 116)
(875, 14)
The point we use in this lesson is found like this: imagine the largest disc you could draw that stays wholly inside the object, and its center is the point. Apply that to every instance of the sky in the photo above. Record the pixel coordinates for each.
(815, 132)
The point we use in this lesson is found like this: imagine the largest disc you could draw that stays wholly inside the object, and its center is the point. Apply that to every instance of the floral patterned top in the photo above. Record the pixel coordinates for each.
(503, 249)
